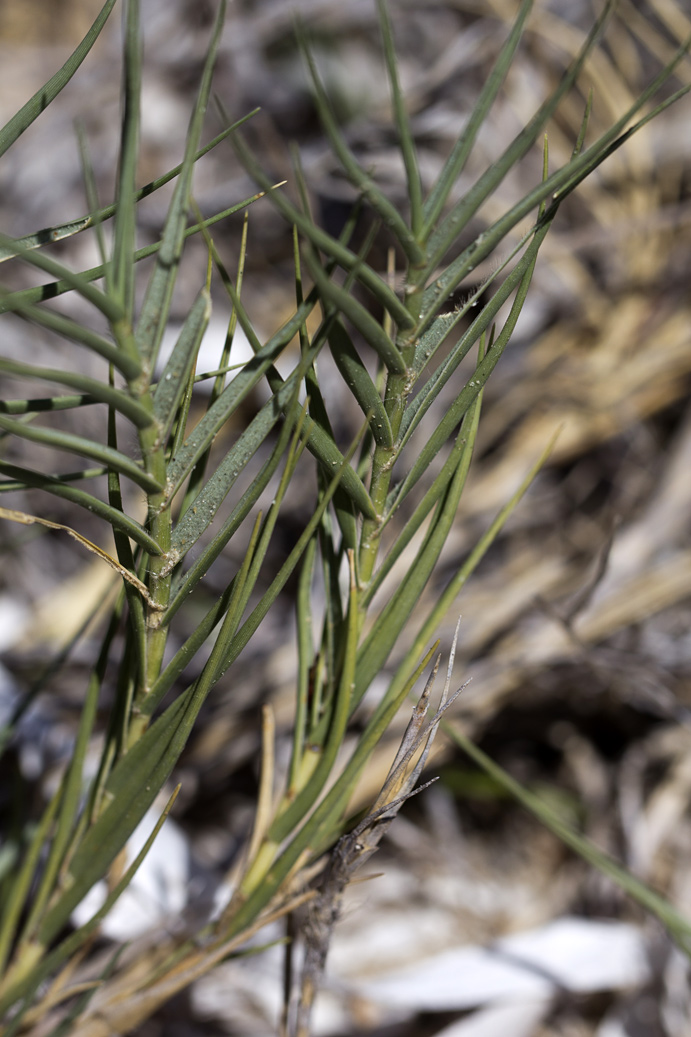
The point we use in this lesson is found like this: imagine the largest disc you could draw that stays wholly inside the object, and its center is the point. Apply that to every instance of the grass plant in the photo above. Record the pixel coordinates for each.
(395, 487)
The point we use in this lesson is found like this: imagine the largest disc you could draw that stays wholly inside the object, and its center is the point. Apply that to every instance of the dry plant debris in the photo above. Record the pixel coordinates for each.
(576, 632)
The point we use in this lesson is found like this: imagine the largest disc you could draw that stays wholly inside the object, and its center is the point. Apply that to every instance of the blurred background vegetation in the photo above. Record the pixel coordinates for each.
(577, 628)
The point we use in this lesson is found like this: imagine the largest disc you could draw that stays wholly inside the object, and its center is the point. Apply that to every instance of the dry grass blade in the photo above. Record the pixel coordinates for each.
(29, 520)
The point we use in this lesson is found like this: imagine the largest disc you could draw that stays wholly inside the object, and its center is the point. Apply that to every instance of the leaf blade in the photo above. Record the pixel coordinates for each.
(28, 478)
(84, 447)
(156, 305)
(180, 364)
(30, 111)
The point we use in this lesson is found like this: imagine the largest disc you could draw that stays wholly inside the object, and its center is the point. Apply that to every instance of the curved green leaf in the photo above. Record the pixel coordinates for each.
(479, 377)
(446, 599)
(460, 153)
(403, 537)
(40, 238)
(556, 186)
(11, 485)
(299, 806)
(111, 310)
(85, 448)
(354, 171)
(156, 305)
(132, 788)
(239, 513)
(462, 212)
(327, 816)
(358, 380)
(336, 250)
(16, 300)
(83, 336)
(203, 508)
(201, 512)
(24, 878)
(444, 324)
(116, 519)
(27, 986)
(95, 391)
(677, 925)
(255, 618)
(405, 136)
(180, 364)
(390, 621)
(120, 270)
(202, 435)
(370, 329)
(30, 111)
(37, 404)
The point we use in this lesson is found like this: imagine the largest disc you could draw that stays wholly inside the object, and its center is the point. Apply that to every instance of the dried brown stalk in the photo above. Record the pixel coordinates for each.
(352, 850)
